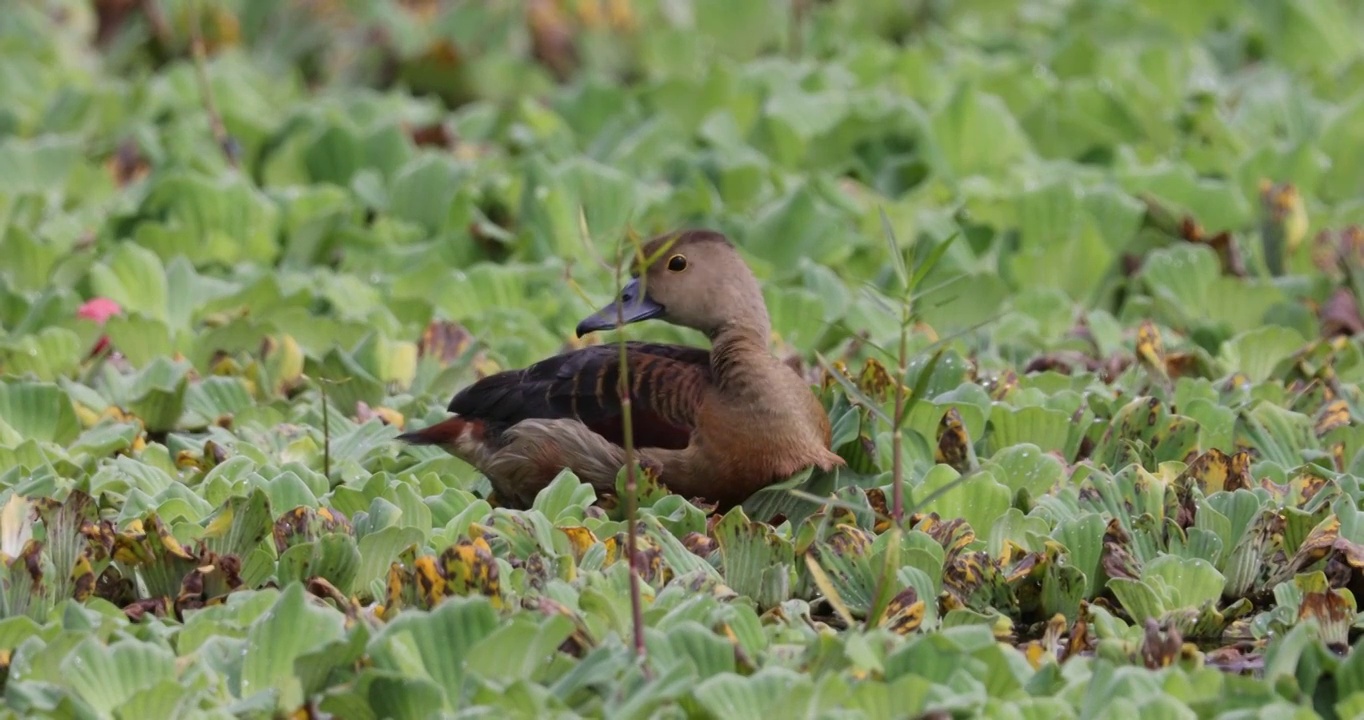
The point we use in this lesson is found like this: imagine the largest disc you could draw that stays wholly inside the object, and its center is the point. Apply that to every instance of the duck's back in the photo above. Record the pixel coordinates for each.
(666, 386)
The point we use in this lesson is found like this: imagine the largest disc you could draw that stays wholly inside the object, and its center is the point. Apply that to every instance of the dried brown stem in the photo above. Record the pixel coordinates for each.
(215, 119)
(151, 9)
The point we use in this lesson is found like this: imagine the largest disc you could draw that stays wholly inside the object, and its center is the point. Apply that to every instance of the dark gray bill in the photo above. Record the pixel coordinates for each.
(633, 306)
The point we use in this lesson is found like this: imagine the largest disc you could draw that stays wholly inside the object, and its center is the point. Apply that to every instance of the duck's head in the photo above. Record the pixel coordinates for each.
(695, 279)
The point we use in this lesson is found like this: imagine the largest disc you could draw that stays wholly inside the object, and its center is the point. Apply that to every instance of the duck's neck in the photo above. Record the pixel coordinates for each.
(739, 356)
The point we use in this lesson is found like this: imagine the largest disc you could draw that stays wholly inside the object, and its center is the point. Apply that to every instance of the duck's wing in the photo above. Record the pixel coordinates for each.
(666, 385)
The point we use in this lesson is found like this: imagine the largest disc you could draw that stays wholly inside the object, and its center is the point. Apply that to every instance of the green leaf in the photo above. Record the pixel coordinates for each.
(40, 411)
(1026, 468)
(52, 353)
(133, 277)
(156, 394)
(205, 218)
(800, 224)
(403, 698)
(1256, 352)
(756, 561)
(291, 628)
(436, 646)
(979, 498)
(1046, 429)
(106, 677)
(757, 696)
(975, 134)
(140, 338)
(517, 650)
(1193, 581)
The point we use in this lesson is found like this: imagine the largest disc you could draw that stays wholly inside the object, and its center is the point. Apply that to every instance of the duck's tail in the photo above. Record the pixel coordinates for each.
(466, 439)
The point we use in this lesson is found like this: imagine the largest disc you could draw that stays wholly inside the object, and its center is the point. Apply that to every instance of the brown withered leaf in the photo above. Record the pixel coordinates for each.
(700, 545)
(207, 584)
(136, 610)
(436, 134)
(1351, 552)
(580, 640)
(1064, 362)
(978, 582)
(1332, 611)
(1340, 574)
(388, 416)
(128, 164)
(1186, 501)
(82, 579)
(1188, 229)
(1317, 545)
(1082, 332)
(876, 499)
(648, 562)
(580, 539)
(1339, 315)
(1350, 247)
(1241, 657)
(1283, 222)
(468, 566)
(1214, 470)
(1325, 252)
(1338, 456)
(1117, 560)
(1150, 349)
(954, 535)
(828, 380)
(110, 18)
(875, 380)
(552, 38)
(1004, 385)
(322, 588)
(445, 340)
(290, 525)
(1078, 642)
(1182, 364)
(1228, 253)
(429, 580)
(398, 590)
(1303, 488)
(305, 524)
(538, 572)
(1044, 649)
(113, 587)
(849, 541)
(1159, 649)
(1020, 563)
(966, 572)
(189, 460)
(1130, 264)
(954, 443)
(100, 536)
(905, 612)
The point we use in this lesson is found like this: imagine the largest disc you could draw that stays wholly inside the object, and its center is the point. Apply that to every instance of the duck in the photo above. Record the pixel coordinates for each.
(714, 425)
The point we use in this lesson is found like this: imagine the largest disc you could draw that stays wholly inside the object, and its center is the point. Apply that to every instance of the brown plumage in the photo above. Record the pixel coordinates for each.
(718, 424)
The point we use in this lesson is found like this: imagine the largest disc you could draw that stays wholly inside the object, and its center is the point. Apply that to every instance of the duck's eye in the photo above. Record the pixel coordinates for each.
(677, 263)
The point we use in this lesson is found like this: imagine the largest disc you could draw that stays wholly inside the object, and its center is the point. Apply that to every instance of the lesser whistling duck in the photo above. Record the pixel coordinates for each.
(718, 425)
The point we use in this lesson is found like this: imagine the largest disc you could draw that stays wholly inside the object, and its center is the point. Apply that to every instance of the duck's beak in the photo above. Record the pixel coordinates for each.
(634, 305)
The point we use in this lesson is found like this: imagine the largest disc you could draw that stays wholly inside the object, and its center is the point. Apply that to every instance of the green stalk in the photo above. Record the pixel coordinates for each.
(631, 481)
(897, 472)
(326, 431)
(897, 437)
